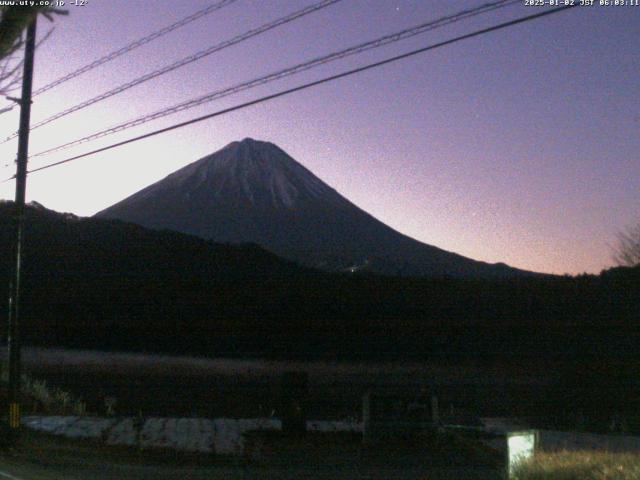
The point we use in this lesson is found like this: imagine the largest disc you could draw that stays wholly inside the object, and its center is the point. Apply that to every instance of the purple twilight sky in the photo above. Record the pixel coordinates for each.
(520, 146)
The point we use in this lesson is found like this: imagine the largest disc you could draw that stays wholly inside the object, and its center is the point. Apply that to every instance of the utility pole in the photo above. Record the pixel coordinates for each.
(13, 338)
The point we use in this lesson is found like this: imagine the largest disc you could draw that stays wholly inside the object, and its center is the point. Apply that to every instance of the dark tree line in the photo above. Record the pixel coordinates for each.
(107, 284)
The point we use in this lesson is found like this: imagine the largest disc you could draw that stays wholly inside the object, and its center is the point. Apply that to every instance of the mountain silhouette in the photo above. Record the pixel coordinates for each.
(253, 191)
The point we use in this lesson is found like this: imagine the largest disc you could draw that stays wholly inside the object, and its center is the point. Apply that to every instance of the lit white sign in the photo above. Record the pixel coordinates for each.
(521, 446)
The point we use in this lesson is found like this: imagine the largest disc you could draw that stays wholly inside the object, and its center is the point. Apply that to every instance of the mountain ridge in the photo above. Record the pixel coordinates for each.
(108, 284)
(253, 191)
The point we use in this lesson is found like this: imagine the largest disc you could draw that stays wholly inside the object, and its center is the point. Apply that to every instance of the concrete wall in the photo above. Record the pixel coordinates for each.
(222, 436)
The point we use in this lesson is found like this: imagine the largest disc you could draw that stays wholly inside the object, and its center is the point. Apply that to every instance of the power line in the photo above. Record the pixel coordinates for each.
(138, 43)
(307, 85)
(379, 42)
(185, 61)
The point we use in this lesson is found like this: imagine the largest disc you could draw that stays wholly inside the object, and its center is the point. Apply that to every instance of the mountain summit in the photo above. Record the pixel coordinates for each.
(252, 191)
(248, 173)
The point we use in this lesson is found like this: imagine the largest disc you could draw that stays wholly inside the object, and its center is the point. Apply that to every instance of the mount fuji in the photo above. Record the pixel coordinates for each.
(252, 191)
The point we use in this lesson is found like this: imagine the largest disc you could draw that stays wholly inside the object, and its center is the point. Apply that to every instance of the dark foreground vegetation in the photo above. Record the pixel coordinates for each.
(109, 285)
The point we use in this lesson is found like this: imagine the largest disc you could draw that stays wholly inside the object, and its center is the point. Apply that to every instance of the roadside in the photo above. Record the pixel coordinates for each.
(44, 457)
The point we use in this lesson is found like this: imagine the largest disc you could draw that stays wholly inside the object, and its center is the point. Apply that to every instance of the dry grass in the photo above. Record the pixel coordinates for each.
(244, 388)
(40, 398)
(42, 359)
(585, 465)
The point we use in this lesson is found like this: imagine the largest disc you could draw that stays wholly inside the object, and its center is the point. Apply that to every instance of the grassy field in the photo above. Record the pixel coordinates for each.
(581, 466)
(171, 386)
(209, 387)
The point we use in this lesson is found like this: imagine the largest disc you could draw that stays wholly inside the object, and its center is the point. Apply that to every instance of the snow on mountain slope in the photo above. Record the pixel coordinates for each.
(249, 171)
